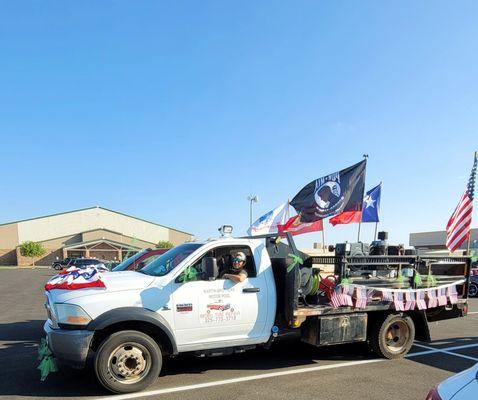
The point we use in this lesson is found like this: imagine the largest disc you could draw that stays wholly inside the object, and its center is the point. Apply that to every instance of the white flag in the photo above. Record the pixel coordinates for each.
(268, 222)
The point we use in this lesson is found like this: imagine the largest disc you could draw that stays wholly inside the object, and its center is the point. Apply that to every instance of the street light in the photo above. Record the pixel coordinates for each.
(252, 199)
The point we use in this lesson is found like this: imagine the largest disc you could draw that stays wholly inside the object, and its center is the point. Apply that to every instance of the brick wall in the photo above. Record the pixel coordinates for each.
(46, 259)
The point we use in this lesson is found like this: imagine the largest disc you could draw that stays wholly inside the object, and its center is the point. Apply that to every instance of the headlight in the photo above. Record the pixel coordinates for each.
(71, 314)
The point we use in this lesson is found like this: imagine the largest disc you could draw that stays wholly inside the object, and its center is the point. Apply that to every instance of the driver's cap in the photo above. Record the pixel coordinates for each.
(240, 255)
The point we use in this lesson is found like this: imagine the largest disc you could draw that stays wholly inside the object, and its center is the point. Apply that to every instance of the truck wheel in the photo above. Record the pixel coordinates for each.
(473, 290)
(393, 336)
(127, 361)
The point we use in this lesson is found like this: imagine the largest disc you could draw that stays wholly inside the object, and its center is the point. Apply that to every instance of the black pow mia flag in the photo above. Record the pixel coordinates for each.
(332, 194)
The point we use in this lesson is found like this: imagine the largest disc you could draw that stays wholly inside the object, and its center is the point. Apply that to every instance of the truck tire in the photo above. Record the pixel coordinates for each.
(127, 361)
(473, 289)
(392, 337)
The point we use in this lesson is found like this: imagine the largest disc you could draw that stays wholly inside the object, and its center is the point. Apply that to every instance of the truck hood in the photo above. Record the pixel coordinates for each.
(114, 282)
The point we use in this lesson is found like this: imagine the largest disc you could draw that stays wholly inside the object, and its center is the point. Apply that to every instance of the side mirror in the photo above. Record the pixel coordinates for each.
(209, 268)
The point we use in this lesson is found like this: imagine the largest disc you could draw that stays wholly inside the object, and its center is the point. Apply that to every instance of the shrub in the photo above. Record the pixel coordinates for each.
(165, 244)
(31, 249)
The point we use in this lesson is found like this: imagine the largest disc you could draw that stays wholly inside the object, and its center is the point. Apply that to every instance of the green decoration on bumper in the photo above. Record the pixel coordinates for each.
(47, 361)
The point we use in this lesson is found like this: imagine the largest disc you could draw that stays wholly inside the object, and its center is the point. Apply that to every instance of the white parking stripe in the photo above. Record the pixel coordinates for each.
(430, 350)
(447, 351)
(472, 312)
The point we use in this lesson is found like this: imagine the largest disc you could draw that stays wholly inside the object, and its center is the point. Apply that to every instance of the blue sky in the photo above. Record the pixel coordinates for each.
(176, 111)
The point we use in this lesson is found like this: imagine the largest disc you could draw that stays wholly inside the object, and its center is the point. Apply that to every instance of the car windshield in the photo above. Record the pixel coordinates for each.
(126, 263)
(165, 263)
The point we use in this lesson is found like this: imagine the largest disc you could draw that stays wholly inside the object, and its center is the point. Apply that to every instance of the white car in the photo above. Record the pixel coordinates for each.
(462, 386)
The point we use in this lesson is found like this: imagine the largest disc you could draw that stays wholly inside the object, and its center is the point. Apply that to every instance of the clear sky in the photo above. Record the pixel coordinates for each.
(175, 111)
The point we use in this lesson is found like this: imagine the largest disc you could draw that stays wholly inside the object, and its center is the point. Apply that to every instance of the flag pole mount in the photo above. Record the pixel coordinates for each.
(468, 243)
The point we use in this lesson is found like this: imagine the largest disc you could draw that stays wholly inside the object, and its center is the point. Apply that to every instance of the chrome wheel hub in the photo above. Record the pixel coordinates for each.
(129, 362)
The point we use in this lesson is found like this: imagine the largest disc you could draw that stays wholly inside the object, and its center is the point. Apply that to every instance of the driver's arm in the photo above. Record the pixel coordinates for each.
(236, 278)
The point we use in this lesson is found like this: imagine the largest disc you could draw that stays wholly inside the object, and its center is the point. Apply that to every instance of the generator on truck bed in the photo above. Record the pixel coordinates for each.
(181, 303)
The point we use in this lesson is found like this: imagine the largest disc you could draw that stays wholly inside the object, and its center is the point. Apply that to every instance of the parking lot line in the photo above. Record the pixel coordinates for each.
(430, 350)
(447, 351)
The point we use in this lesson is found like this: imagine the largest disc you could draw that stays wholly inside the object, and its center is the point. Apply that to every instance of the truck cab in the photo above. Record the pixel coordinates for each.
(179, 299)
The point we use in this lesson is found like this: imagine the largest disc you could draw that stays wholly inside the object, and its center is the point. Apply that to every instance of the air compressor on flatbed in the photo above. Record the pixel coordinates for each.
(179, 304)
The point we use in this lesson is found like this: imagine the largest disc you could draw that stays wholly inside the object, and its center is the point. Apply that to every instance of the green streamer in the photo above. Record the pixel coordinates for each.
(47, 361)
(345, 281)
(417, 279)
(400, 278)
(474, 255)
(189, 274)
(431, 280)
(295, 260)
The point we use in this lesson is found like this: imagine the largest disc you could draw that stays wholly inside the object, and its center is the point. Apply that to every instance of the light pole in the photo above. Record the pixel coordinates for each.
(252, 199)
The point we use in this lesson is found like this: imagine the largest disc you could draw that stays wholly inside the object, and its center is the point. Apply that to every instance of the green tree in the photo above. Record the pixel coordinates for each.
(164, 244)
(31, 249)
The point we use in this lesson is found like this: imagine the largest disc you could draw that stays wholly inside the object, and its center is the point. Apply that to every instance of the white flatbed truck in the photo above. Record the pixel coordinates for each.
(178, 304)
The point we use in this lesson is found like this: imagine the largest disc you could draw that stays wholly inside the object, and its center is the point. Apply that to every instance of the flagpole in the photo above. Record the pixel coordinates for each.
(323, 237)
(375, 234)
(365, 156)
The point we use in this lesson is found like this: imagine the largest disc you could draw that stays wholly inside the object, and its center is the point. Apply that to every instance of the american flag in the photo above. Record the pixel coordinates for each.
(452, 294)
(421, 303)
(432, 298)
(458, 227)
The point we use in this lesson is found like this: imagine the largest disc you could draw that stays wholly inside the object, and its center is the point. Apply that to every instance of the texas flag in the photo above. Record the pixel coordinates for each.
(371, 204)
(369, 213)
(296, 227)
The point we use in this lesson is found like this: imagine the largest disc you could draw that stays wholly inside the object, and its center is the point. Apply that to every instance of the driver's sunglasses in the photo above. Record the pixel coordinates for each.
(237, 260)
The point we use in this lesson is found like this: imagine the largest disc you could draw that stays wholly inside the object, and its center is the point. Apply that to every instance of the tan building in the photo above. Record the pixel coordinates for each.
(435, 241)
(89, 232)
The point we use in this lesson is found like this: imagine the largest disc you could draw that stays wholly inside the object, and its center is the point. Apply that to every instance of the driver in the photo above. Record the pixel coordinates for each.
(237, 273)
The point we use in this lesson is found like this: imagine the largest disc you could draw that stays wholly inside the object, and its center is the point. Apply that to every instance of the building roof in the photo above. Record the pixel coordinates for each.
(435, 238)
(91, 208)
(98, 241)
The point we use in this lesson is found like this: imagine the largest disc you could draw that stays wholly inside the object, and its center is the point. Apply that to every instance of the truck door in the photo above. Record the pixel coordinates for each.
(220, 310)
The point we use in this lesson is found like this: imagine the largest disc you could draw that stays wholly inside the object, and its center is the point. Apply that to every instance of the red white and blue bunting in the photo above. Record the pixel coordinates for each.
(76, 278)
(359, 296)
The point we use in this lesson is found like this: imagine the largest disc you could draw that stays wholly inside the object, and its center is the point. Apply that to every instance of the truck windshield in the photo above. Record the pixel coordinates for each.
(166, 262)
(126, 263)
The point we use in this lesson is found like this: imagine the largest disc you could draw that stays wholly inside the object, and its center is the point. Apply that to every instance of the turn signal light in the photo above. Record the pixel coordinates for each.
(80, 320)
(433, 394)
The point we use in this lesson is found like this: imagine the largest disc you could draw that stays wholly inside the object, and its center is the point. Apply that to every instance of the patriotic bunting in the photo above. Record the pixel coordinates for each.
(421, 304)
(410, 301)
(442, 300)
(432, 298)
(398, 301)
(452, 294)
(359, 296)
(76, 278)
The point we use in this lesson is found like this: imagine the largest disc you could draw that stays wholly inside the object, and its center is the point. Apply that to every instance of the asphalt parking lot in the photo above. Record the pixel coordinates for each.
(289, 369)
